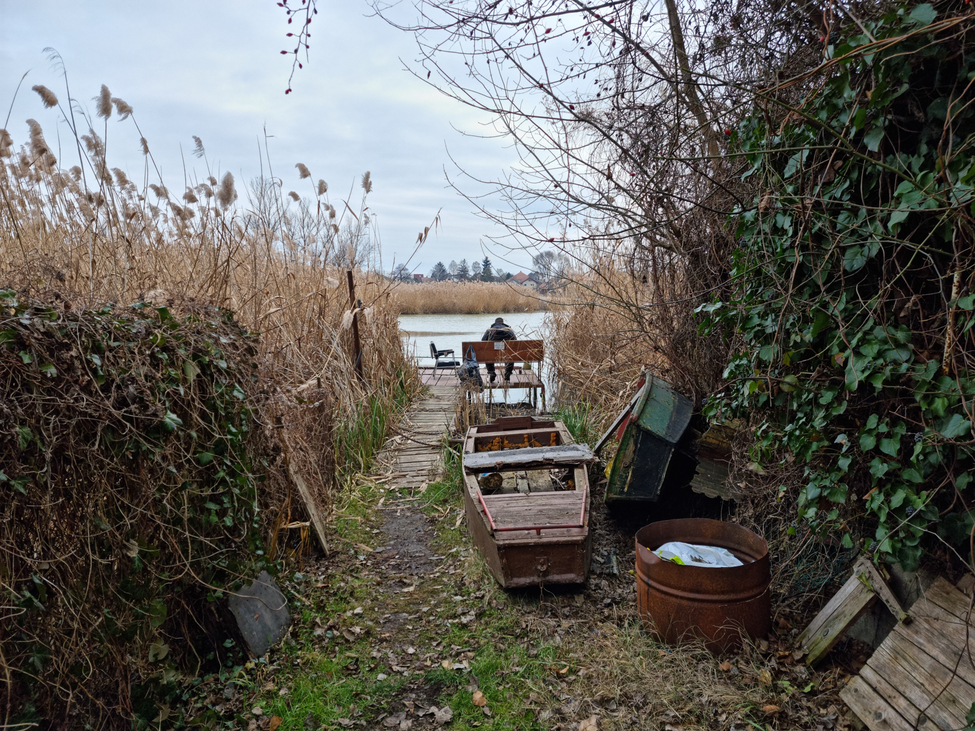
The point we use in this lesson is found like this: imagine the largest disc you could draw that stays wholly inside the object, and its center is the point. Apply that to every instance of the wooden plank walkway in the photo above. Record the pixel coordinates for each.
(413, 458)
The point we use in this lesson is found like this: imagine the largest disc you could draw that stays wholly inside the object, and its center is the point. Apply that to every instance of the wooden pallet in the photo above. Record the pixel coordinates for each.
(923, 675)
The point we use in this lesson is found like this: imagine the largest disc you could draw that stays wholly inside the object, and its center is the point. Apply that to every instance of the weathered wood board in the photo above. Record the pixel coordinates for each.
(531, 458)
(922, 675)
(860, 591)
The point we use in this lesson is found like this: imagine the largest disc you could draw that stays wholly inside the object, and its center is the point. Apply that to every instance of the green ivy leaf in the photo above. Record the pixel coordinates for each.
(171, 422)
(923, 15)
(191, 370)
(873, 138)
(954, 426)
(890, 446)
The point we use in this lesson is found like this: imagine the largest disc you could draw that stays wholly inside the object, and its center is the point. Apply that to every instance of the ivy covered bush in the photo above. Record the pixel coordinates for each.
(129, 456)
(850, 304)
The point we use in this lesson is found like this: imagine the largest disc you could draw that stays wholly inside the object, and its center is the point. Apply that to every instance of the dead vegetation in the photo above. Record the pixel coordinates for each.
(273, 271)
(466, 298)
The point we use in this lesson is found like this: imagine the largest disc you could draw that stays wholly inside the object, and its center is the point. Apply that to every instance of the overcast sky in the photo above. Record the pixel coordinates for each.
(213, 68)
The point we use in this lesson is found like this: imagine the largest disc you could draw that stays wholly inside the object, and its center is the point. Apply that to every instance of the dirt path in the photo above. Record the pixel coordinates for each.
(402, 627)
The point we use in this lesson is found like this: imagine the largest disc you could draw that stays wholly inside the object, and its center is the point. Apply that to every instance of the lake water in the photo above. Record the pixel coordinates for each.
(449, 331)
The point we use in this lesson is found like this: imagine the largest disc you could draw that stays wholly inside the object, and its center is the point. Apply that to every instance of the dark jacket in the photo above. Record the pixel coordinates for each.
(499, 331)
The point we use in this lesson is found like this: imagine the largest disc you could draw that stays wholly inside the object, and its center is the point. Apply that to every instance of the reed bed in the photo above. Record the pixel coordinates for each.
(83, 235)
(277, 261)
(600, 339)
(466, 298)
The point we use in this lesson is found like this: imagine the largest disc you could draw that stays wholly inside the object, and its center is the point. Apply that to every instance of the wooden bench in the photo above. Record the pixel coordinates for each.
(526, 352)
(505, 351)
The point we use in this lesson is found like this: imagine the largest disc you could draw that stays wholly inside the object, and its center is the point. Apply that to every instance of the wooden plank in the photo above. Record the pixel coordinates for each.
(942, 640)
(901, 705)
(923, 671)
(966, 584)
(953, 601)
(846, 606)
(514, 423)
(531, 458)
(539, 499)
(510, 351)
(930, 686)
(871, 707)
(315, 511)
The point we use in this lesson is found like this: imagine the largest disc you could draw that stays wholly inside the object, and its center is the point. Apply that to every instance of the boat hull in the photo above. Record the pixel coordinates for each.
(529, 538)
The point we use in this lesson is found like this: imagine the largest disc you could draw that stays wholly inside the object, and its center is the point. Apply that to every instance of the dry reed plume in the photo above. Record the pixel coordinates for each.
(465, 298)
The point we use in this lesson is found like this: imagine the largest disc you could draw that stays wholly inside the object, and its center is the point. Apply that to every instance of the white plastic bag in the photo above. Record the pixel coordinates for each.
(689, 554)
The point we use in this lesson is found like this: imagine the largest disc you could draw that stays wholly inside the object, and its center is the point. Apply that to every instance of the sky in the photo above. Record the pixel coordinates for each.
(214, 69)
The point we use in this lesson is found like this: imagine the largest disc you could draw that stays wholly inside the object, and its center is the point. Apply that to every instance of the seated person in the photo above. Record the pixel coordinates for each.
(499, 331)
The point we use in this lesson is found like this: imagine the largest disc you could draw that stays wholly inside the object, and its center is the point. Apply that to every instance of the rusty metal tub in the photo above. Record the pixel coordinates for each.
(717, 605)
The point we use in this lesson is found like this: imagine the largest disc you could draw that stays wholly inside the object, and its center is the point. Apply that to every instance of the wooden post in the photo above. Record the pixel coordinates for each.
(356, 345)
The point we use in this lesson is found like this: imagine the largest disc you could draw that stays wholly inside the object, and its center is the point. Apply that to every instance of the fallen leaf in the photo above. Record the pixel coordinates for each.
(479, 699)
(442, 716)
(345, 722)
(275, 722)
(725, 666)
(257, 711)
(460, 519)
(446, 665)
(771, 710)
(394, 720)
(765, 677)
(589, 724)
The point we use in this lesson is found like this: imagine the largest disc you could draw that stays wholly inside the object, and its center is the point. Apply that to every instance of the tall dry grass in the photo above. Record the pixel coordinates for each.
(612, 320)
(466, 298)
(86, 232)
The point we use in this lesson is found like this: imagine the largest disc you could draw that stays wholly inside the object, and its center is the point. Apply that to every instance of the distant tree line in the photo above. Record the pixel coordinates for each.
(545, 265)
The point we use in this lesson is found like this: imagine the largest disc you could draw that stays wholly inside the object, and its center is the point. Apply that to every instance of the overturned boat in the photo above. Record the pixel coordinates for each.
(526, 494)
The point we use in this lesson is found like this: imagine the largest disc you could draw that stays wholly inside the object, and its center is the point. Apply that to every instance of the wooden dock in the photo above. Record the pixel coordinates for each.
(413, 455)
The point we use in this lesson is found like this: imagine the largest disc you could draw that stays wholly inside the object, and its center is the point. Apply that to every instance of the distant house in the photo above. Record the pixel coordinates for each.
(524, 280)
(418, 278)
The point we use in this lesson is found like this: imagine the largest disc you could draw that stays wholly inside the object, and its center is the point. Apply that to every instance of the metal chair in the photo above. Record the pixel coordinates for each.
(438, 354)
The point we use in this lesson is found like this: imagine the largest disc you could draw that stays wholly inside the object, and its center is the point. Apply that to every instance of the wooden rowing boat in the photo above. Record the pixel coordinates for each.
(526, 494)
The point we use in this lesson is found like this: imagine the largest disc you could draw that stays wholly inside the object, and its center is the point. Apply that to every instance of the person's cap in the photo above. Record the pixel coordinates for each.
(500, 319)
